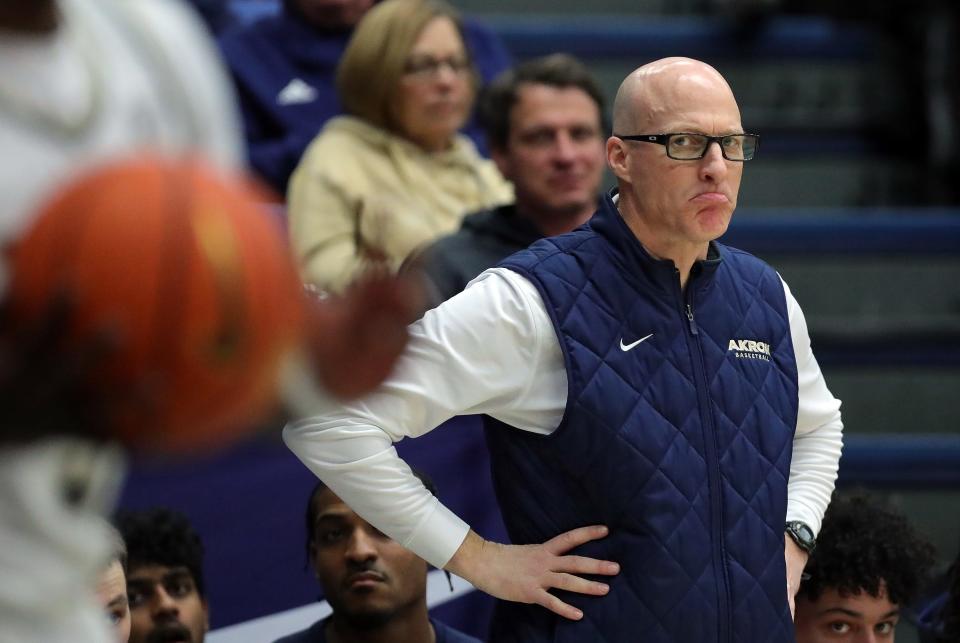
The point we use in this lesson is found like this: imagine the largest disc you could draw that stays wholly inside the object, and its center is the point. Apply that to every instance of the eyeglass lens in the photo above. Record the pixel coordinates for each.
(735, 147)
(428, 66)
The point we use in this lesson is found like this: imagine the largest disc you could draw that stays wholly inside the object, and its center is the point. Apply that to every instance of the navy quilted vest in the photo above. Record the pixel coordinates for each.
(681, 443)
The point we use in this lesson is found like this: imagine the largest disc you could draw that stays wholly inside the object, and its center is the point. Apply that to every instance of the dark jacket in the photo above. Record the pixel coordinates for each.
(484, 239)
(315, 634)
(677, 435)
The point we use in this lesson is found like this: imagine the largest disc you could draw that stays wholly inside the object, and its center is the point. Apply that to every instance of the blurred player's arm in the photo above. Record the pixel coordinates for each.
(355, 339)
(483, 351)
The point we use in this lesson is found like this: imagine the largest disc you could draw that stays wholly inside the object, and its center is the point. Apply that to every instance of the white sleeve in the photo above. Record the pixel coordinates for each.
(491, 349)
(819, 436)
(54, 550)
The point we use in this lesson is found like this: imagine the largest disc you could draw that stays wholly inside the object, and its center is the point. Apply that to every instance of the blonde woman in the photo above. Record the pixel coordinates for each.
(393, 173)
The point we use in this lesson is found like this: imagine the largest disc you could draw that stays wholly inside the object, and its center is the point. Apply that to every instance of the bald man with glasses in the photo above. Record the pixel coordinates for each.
(663, 443)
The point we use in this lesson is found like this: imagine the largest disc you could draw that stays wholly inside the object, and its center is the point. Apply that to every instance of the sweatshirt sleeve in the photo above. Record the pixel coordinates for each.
(322, 217)
(819, 435)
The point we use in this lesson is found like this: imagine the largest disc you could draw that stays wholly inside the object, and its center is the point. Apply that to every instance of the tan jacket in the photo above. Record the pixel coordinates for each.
(361, 194)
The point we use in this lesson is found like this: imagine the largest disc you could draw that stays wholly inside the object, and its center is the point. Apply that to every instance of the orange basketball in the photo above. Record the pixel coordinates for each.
(195, 277)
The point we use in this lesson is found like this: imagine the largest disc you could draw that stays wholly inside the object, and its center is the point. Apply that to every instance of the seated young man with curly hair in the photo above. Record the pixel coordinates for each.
(165, 584)
(868, 563)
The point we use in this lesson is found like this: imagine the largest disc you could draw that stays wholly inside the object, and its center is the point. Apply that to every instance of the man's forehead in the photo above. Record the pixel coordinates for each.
(153, 573)
(707, 118)
(112, 582)
(703, 126)
(860, 604)
(327, 505)
(336, 511)
(541, 99)
(686, 98)
(527, 90)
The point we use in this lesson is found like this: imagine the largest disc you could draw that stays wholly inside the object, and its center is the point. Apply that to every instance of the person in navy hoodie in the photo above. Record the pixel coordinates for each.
(217, 14)
(284, 68)
(653, 407)
(376, 587)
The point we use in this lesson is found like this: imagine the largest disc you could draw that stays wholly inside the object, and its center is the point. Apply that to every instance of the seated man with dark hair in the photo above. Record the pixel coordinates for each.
(545, 127)
(164, 577)
(376, 587)
(868, 564)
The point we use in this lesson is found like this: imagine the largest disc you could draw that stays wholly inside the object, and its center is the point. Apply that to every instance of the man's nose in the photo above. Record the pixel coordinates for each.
(164, 606)
(362, 547)
(713, 167)
(564, 149)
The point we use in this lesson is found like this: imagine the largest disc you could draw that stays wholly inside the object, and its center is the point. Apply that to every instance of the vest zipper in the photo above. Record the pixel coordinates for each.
(714, 480)
(693, 324)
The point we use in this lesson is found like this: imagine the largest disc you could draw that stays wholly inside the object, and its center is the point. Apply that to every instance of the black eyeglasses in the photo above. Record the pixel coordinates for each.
(688, 146)
(427, 67)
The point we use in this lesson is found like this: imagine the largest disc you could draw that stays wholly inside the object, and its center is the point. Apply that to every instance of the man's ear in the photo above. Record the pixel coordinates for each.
(206, 614)
(617, 158)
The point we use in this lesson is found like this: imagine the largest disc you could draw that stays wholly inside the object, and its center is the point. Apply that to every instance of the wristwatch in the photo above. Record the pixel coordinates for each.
(802, 535)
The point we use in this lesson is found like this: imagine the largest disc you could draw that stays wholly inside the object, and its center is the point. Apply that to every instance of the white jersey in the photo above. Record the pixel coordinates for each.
(115, 77)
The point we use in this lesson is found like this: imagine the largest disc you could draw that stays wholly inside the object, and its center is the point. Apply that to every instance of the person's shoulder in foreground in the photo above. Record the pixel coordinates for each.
(447, 634)
(313, 634)
(316, 633)
(868, 566)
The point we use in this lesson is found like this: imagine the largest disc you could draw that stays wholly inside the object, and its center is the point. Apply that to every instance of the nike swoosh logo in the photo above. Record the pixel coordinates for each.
(626, 347)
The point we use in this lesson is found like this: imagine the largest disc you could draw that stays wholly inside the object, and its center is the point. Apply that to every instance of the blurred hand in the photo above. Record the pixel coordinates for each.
(525, 573)
(796, 560)
(355, 339)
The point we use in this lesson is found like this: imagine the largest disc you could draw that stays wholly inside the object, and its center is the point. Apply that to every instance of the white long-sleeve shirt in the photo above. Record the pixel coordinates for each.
(492, 349)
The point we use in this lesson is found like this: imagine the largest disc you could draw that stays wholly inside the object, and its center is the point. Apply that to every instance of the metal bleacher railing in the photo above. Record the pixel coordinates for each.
(907, 462)
(640, 35)
(859, 232)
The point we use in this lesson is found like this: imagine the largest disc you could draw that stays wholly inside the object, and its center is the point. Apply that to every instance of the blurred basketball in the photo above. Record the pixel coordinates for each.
(194, 278)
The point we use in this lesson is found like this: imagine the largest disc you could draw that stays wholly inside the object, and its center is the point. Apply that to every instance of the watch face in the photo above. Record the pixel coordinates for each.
(802, 535)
